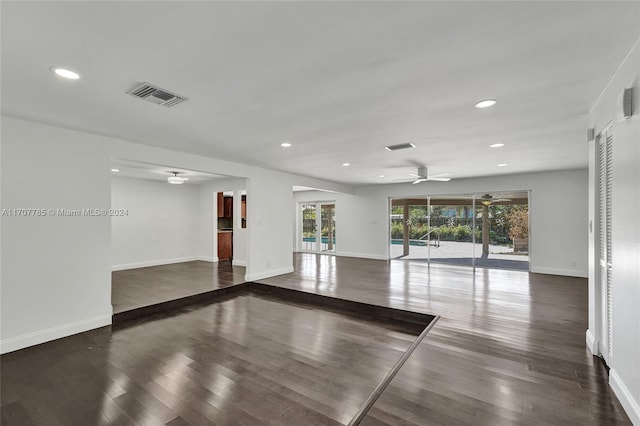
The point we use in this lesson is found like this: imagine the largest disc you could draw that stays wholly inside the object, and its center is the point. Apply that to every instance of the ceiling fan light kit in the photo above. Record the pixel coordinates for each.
(487, 200)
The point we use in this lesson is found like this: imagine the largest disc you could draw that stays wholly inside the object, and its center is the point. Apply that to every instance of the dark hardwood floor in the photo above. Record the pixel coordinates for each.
(135, 288)
(509, 348)
(249, 360)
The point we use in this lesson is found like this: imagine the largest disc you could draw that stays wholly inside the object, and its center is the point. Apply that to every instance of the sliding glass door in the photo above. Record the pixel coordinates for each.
(483, 229)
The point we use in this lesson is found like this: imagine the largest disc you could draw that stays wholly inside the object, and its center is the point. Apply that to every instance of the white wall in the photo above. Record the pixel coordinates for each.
(625, 361)
(240, 234)
(162, 224)
(558, 215)
(270, 243)
(56, 271)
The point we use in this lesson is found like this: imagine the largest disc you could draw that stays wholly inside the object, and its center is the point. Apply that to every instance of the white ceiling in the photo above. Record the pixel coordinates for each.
(133, 169)
(338, 80)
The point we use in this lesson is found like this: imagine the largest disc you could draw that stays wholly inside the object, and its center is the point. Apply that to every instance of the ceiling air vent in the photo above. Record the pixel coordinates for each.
(156, 95)
(399, 146)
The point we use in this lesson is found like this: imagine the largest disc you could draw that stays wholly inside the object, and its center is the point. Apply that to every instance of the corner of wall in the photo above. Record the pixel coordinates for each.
(267, 274)
(631, 405)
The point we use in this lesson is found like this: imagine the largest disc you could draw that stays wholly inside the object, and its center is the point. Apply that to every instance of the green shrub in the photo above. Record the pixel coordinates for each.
(396, 231)
(453, 233)
(462, 232)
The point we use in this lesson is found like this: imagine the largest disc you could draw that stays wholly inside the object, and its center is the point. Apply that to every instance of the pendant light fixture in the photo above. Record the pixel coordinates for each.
(175, 179)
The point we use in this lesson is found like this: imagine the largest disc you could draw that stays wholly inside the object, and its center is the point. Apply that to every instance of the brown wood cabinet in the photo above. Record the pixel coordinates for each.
(220, 204)
(225, 206)
(228, 207)
(225, 245)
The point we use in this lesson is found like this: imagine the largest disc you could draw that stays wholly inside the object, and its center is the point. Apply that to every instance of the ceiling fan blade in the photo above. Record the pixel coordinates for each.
(442, 174)
(420, 180)
(490, 201)
(415, 175)
(438, 179)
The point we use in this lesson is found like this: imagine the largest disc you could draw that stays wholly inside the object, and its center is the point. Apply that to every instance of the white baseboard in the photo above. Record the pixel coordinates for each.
(148, 263)
(563, 272)
(207, 259)
(630, 405)
(268, 274)
(35, 338)
(235, 262)
(592, 343)
(362, 255)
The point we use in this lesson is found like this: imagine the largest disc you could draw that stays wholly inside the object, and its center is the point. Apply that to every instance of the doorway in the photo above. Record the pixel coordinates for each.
(317, 227)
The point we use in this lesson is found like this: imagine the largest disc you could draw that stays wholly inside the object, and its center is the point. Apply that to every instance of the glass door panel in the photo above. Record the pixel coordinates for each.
(409, 231)
(502, 227)
(328, 227)
(308, 230)
(451, 229)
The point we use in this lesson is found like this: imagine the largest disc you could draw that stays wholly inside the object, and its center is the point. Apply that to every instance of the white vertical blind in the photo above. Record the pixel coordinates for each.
(605, 172)
(609, 190)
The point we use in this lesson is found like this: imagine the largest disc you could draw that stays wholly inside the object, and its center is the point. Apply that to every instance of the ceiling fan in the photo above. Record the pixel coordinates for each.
(487, 199)
(424, 176)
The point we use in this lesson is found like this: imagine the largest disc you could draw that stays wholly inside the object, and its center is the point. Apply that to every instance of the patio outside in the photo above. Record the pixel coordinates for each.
(461, 253)
(443, 230)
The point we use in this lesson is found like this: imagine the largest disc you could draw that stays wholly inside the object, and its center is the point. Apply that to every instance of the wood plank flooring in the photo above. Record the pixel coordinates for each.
(250, 360)
(135, 288)
(509, 347)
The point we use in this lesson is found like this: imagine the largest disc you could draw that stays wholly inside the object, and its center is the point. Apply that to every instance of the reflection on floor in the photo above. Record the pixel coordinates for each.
(135, 288)
(483, 262)
(249, 360)
(509, 349)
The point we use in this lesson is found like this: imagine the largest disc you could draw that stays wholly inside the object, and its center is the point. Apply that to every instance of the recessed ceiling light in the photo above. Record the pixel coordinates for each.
(502, 164)
(496, 145)
(285, 145)
(381, 176)
(346, 164)
(62, 72)
(486, 103)
(115, 170)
